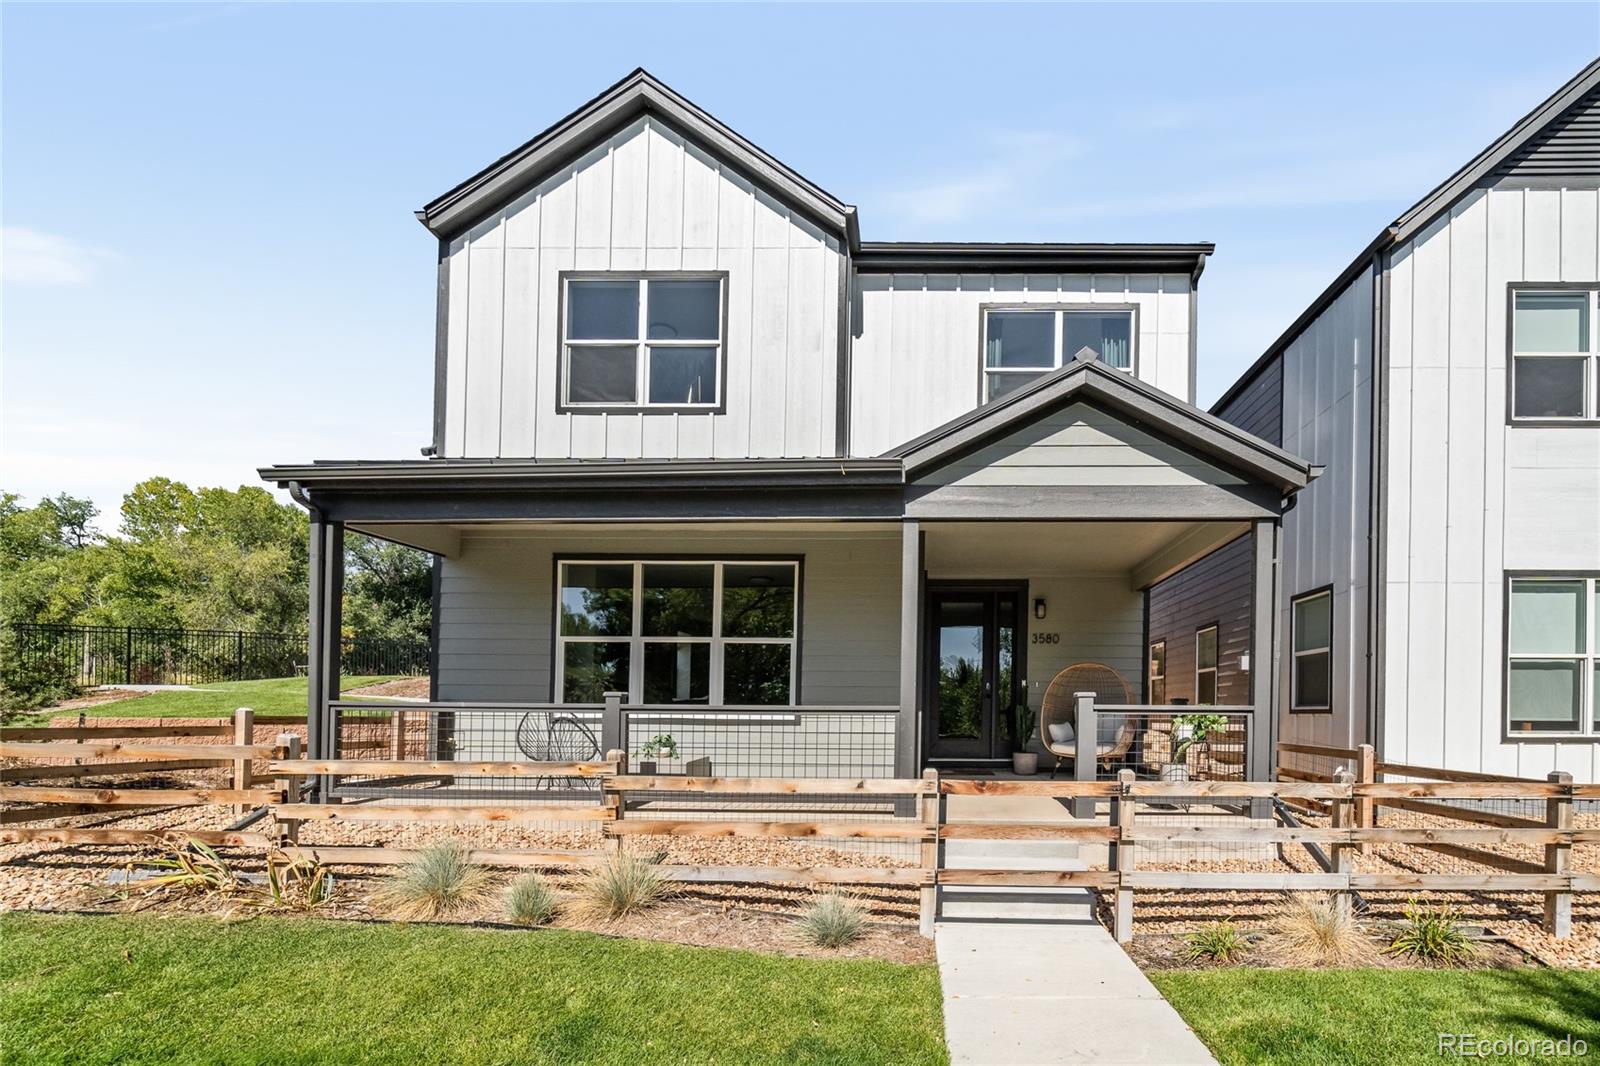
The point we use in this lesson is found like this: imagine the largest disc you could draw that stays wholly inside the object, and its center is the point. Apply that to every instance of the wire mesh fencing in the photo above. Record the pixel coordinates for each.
(787, 742)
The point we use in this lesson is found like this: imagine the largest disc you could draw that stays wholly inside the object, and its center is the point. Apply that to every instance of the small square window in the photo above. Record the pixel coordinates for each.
(642, 342)
(1553, 362)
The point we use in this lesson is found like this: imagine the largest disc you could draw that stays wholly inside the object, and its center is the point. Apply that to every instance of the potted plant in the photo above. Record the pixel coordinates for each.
(1187, 731)
(659, 747)
(1023, 761)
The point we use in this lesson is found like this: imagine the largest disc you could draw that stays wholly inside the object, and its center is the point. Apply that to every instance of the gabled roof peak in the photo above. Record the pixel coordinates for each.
(638, 93)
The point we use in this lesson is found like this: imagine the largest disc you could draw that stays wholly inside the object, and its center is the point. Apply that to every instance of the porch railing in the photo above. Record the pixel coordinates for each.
(1173, 743)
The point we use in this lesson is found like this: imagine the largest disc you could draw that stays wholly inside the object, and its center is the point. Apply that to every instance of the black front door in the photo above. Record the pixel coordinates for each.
(972, 674)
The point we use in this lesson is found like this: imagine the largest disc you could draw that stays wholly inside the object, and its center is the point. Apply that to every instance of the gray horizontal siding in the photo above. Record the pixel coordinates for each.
(1568, 147)
(1215, 589)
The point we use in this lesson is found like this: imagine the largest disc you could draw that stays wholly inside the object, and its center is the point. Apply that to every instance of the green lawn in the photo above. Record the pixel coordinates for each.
(1380, 1017)
(289, 990)
(281, 695)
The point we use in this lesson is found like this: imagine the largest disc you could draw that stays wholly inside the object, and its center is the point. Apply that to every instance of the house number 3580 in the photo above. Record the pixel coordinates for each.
(1047, 638)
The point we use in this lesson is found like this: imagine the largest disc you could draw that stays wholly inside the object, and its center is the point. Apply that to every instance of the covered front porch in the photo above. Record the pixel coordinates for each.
(816, 618)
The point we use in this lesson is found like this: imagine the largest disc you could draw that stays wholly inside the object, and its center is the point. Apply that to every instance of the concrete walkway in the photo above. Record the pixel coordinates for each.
(1029, 975)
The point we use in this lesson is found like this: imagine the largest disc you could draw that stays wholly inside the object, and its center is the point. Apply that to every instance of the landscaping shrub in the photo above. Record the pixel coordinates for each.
(621, 885)
(438, 882)
(297, 884)
(530, 900)
(194, 867)
(1432, 934)
(30, 682)
(1314, 928)
(832, 921)
(1217, 942)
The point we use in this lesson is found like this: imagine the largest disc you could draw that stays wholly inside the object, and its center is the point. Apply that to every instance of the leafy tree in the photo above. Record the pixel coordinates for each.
(388, 589)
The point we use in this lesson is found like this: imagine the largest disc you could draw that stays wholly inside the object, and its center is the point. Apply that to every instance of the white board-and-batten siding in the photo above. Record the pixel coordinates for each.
(1327, 419)
(1469, 497)
(917, 360)
(496, 606)
(645, 200)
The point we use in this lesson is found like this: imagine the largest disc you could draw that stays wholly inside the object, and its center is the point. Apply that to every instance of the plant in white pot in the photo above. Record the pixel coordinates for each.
(1023, 761)
(1187, 731)
(659, 747)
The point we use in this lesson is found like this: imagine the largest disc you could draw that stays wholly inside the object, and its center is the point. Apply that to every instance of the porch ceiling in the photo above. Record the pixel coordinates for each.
(1146, 551)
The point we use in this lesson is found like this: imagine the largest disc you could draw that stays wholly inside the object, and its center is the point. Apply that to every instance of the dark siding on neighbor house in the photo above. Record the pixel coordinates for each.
(1568, 146)
(1216, 589)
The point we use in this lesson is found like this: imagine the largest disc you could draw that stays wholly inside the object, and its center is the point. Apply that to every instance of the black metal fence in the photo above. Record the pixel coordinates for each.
(131, 655)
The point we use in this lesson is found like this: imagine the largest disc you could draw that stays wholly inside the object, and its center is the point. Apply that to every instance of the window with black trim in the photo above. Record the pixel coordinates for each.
(1022, 344)
(1555, 355)
(1157, 672)
(677, 632)
(1553, 656)
(1205, 665)
(1311, 638)
(651, 341)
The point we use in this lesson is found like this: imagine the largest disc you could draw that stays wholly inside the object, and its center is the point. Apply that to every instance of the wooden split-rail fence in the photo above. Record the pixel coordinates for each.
(844, 813)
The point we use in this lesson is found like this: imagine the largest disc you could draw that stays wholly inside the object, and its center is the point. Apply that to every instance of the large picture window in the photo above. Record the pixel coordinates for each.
(1311, 636)
(1205, 665)
(1553, 656)
(1022, 344)
(677, 632)
(642, 342)
(1555, 338)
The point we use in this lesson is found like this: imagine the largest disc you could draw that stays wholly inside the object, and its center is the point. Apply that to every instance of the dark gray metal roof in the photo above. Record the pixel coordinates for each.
(1483, 167)
(373, 474)
(882, 257)
(639, 93)
(1090, 380)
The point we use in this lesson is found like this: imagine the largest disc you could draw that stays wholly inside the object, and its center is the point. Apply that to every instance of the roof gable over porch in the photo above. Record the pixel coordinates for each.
(1089, 442)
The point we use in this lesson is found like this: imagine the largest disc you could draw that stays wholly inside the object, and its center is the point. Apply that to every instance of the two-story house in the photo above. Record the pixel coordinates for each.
(813, 504)
(1440, 594)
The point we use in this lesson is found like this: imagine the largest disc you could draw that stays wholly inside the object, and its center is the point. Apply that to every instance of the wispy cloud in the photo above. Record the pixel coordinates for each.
(1009, 162)
(34, 257)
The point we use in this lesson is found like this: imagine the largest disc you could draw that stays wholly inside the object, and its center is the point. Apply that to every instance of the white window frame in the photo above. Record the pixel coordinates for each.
(1060, 311)
(1295, 706)
(1216, 646)
(1590, 359)
(1151, 677)
(1588, 698)
(636, 640)
(641, 344)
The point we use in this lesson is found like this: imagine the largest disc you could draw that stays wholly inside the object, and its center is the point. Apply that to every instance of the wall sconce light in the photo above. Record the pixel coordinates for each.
(1038, 607)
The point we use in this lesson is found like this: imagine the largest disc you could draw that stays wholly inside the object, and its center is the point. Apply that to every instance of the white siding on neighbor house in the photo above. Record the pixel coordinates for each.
(644, 200)
(1080, 445)
(496, 606)
(918, 353)
(1327, 419)
(1468, 496)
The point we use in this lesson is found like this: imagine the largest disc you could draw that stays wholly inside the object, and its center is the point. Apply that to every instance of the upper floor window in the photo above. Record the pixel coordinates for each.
(1554, 371)
(642, 342)
(1311, 636)
(1024, 343)
(1553, 653)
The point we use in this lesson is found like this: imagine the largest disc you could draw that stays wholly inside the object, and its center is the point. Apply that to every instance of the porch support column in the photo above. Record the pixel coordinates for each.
(1264, 534)
(906, 756)
(326, 566)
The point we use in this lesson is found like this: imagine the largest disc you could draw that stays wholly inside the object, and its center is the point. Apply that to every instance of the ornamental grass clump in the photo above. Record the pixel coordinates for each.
(1217, 942)
(437, 883)
(832, 921)
(1432, 934)
(531, 901)
(1315, 928)
(620, 886)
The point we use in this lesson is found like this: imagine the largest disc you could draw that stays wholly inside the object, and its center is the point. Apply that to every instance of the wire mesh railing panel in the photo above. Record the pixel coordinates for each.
(792, 742)
(1196, 744)
(826, 808)
(467, 734)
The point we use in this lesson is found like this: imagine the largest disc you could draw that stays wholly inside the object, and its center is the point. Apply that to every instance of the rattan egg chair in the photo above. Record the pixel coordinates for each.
(1060, 707)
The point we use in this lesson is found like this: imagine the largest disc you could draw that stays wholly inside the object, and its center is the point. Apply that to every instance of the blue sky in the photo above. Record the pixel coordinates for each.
(211, 261)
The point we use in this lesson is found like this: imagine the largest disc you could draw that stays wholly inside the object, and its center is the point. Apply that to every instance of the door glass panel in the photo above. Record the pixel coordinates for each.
(1005, 683)
(959, 631)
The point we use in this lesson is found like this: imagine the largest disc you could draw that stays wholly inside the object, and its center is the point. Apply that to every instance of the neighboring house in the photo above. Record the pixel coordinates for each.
(822, 505)
(1463, 477)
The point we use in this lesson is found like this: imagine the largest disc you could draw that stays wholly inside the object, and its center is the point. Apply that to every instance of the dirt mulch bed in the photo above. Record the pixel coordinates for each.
(1165, 951)
(415, 688)
(44, 876)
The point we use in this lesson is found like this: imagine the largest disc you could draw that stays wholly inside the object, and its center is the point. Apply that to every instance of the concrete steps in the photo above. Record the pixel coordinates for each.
(1007, 903)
